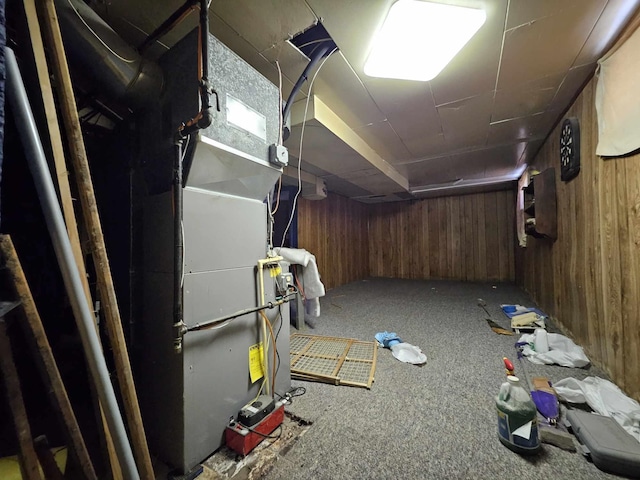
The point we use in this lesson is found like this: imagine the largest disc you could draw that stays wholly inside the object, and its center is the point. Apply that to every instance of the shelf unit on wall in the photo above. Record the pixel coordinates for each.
(540, 206)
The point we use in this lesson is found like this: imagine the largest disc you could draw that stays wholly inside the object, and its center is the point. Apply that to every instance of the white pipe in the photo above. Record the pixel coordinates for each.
(84, 318)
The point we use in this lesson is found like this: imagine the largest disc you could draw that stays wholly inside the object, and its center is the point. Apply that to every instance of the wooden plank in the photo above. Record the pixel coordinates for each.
(512, 240)
(628, 311)
(611, 270)
(434, 239)
(632, 278)
(46, 459)
(481, 239)
(424, 240)
(491, 236)
(469, 238)
(504, 247)
(62, 174)
(455, 264)
(35, 333)
(64, 190)
(28, 459)
(96, 240)
(443, 240)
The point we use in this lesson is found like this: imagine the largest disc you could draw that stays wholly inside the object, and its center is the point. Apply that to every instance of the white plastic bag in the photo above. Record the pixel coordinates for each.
(559, 349)
(605, 398)
(407, 353)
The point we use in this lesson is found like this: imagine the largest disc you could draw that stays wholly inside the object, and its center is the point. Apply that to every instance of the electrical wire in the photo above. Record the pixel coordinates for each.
(304, 122)
(273, 212)
(280, 119)
(291, 394)
(273, 340)
(279, 317)
(126, 60)
(272, 437)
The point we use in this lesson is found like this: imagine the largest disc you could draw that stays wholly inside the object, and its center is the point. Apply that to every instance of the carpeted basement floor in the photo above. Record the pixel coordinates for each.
(432, 422)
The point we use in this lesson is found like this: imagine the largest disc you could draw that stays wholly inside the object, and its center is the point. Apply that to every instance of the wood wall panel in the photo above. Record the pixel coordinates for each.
(465, 237)
(589, 279)
(335, 231)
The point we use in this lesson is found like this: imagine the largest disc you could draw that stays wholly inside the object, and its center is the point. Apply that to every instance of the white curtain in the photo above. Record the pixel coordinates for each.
(618, 98)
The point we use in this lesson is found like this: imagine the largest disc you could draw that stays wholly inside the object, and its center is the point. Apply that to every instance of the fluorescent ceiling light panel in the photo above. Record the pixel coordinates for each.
(418, 39)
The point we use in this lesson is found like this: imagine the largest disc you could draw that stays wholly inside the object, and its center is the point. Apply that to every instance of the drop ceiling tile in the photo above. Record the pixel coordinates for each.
(465, 123)
(526, 99)
(408, 106)
(427, 145)
(473, 165)
(475, 69)
(342, 91)
(393, 95)
(549, 44)
(384, 140)
(265, 23)
(522, 12)
(509, 131)
(571, 86)
(615, 16)
(292, 63)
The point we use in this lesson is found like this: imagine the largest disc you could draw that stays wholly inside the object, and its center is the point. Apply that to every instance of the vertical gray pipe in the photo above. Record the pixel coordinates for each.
(49, 201)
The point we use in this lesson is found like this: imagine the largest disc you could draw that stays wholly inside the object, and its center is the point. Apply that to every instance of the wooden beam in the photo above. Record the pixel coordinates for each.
(50, 374)
(98, 248)
(28, 458)
(47, 460)
(62, 177)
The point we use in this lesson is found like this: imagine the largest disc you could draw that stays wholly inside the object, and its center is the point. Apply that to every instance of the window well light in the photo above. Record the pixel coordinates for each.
(418, 39)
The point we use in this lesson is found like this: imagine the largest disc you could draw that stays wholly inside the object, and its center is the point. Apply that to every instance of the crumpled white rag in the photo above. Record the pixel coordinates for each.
(313, 286)
(605, 398)
(561, 350)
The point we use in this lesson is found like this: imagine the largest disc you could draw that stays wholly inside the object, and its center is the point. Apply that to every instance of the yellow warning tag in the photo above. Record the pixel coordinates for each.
(256, 368)
(275, 271)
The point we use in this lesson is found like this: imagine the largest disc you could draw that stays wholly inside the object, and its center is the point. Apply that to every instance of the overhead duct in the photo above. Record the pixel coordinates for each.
(106, 58)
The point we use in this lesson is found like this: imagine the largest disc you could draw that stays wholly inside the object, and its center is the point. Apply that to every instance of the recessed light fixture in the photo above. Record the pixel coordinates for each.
(418, 39)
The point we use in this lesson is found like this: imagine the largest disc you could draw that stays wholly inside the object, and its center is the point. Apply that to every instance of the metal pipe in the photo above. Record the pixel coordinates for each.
(317, 56)
(55, 223)
(204, 43)
(174, 19)
(178, 242)
(247, 311)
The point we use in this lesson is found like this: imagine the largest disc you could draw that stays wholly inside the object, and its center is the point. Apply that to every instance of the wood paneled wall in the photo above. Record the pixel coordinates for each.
(589, 279)
(335, 231)
(464, 237)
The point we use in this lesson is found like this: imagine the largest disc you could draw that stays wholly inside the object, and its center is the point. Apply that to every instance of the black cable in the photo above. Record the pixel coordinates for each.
(278, 333)
(297, 392)
(273, 437)
(293, 392)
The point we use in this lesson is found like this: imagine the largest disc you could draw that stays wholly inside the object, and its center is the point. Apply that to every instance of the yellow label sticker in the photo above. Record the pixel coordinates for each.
(256, 367)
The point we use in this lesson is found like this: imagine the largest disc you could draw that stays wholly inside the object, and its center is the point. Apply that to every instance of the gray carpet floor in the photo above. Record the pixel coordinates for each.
(435, 421)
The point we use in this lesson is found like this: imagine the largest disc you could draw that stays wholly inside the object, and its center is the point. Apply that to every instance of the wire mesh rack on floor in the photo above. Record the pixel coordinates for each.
(340, 361)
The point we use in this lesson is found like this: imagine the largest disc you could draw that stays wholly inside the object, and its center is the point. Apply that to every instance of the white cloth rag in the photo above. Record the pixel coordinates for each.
(313, 286)
(550, 348)
(605, 398)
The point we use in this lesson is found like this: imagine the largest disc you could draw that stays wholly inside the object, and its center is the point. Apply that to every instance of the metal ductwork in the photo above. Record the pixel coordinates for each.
(106, 58)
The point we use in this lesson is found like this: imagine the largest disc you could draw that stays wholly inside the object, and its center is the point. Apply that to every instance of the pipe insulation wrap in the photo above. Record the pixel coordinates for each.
(34, 153)
(103, 55)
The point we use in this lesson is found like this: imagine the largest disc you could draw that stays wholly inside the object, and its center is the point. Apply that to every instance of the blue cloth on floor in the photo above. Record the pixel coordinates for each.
(387, 339)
